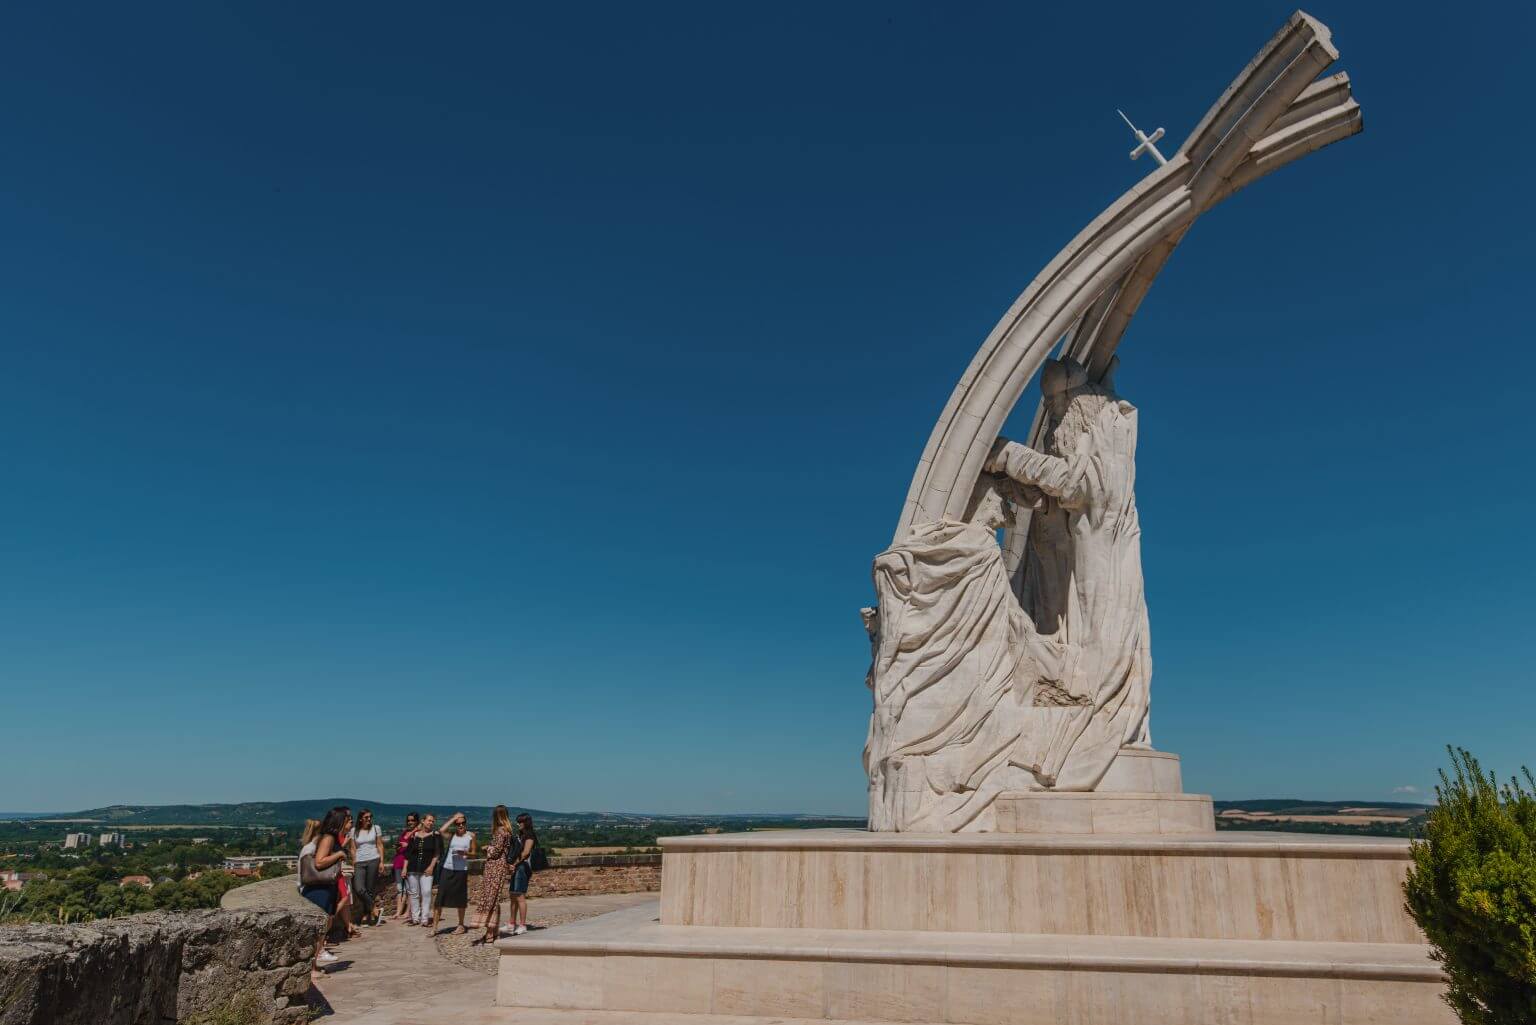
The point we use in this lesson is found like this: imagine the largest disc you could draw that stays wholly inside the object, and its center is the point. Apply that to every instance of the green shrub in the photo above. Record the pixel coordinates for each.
(1472, 889)
(242, 1009)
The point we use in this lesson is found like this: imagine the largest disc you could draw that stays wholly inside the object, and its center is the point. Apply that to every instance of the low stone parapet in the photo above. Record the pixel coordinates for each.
(159, 967)
(580, 875)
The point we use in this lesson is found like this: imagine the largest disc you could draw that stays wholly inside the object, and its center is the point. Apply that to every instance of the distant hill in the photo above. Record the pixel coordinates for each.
(292, 813)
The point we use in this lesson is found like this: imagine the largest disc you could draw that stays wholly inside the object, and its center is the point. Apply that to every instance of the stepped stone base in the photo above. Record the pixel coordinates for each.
(629, 961)
(1143, 771)
(999, 929)
(1105, 814)
(1142, 794)
(1237, 885)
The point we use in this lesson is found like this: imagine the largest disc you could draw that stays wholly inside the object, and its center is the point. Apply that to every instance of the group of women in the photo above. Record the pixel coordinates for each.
(340, 865)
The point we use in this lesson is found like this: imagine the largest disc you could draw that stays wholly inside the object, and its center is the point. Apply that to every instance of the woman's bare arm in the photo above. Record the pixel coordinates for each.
(327, 853)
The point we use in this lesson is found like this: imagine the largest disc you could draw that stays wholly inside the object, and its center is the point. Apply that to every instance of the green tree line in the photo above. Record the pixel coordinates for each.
(95, 891)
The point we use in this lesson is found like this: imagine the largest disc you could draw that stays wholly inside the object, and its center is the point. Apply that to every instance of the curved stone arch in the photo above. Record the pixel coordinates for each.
(1275, 111)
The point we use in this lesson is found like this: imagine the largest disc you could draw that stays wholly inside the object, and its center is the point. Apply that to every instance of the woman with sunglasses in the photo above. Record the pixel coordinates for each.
(401, 844)
(521, 858)
(453, 885)
(367, 843)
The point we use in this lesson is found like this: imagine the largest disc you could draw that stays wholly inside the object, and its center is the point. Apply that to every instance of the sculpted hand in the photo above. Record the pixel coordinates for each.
(994, 463)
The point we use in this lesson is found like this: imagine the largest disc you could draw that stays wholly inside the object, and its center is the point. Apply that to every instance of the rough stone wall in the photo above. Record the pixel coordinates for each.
(594, 873)
(158, 967)
(574, 881)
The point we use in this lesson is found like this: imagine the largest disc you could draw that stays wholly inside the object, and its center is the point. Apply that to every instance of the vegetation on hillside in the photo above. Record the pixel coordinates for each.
(1472, 889)
(78, 885)
(1410, 828)
(1298, 806)
(285, 813)
(83, 894)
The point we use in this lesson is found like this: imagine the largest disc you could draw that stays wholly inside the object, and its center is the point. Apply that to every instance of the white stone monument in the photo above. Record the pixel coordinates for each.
(987, 693)
(1030, 858)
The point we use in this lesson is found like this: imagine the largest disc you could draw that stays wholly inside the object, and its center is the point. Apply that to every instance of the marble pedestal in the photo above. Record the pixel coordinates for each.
(1052, 924)
(996, 929)
(1141, 795)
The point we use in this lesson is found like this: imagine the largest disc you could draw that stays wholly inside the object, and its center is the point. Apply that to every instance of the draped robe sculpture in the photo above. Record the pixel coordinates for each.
(973, 695)
(978, 691)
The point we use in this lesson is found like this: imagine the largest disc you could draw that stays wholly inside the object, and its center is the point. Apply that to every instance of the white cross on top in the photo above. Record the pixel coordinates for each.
(1145, 140)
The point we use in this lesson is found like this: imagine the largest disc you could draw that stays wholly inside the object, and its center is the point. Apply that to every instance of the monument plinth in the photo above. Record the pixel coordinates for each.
(1030, 858)
(1142, 794)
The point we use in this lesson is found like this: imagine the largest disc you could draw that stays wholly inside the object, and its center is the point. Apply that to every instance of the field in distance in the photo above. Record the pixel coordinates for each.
(1366, 818)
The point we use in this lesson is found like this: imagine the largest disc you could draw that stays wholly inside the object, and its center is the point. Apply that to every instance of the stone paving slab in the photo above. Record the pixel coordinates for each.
(543, 913)
(395, 974)
(556, 1016)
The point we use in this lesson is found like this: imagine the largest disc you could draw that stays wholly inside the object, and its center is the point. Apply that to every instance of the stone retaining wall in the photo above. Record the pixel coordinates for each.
(586, 874)
(158, 967)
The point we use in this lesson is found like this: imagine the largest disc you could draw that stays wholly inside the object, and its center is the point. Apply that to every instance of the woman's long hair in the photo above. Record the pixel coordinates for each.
(311, 831)
(500, 819)
(335, 820)
(525, 826)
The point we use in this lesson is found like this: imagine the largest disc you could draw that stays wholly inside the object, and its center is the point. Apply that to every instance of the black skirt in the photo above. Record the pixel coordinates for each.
(454, 891)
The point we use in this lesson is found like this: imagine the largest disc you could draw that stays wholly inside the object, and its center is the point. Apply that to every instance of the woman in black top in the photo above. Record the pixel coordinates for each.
(422, 855)
(521, 859)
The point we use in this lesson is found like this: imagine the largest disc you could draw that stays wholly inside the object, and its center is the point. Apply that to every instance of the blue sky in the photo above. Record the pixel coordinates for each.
(505, 404)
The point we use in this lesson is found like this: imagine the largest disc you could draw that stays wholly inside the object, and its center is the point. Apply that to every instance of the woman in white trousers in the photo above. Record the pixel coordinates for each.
(422, 855)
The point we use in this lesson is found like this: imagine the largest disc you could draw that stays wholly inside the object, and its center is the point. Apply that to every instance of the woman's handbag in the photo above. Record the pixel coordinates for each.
(309, 875)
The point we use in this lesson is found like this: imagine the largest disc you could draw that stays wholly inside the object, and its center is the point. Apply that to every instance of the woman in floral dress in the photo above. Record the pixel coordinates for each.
(495, 878)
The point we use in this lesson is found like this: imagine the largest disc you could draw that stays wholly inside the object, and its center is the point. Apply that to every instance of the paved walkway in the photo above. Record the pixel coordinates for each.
(395, 974)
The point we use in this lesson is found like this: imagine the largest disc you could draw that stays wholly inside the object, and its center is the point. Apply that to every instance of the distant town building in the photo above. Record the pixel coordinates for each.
(76, 840)
(202, 839)
(111, 840)
(141, 881)
(256, 861)
(245, 873)
(14, 881)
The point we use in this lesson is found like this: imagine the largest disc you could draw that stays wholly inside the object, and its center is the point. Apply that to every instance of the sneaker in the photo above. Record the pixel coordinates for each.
(326, 957)
(519, 930)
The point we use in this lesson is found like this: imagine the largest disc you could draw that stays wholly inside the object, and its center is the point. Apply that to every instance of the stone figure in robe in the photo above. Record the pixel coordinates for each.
(979, 691)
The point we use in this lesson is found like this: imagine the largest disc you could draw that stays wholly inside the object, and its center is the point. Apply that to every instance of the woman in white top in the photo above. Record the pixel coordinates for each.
(321, 895)
(367, 843)
(453, 890)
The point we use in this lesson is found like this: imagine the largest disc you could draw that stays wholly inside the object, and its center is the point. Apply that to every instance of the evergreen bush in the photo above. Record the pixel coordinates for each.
(1472, 889)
